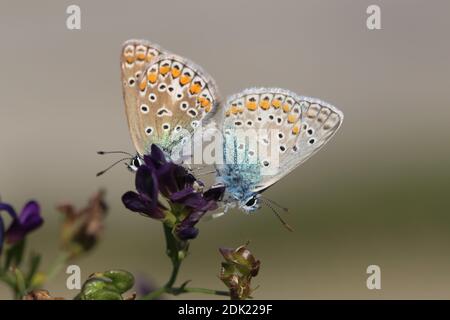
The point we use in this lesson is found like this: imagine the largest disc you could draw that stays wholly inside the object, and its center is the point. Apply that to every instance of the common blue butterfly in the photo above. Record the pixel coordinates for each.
(299, 125)
(166, 94)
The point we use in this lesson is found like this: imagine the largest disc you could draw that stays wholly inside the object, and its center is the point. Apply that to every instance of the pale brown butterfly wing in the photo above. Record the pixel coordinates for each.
(301, 126)
(135, 57)
(175, 97)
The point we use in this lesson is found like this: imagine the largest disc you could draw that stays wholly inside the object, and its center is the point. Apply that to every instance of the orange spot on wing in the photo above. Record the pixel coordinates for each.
(195, 88)
(140, 55)
(264, 104)
(142, 85)
(286, 108)
(184, 80)
(205, 103)
(292, 118)
(295, 130)
(175, 72)
(251, 105)
(152, 77)
(130, 59)
(164, 69)
(276, 103)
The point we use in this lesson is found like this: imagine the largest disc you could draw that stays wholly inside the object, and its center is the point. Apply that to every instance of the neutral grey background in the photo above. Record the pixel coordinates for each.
(377, 194)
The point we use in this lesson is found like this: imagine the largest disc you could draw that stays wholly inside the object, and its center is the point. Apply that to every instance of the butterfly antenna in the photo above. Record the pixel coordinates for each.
(278, 216)
(113, 152)
(277, 204)
(118, 161)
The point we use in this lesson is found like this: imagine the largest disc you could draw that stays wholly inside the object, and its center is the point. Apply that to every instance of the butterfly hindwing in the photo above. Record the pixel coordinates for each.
(134, 59)
(299, 125)
(174, 97)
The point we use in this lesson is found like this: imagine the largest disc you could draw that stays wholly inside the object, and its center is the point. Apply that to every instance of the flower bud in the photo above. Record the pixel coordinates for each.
(108, 285)
(237, 271)
(82, 229)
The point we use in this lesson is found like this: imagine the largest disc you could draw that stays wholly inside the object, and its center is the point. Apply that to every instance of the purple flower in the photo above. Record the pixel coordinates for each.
(28, 220)
(145, 201)
(198, 204)
(181, 190)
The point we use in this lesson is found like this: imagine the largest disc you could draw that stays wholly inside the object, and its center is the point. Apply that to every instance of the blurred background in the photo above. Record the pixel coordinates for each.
(376, 194)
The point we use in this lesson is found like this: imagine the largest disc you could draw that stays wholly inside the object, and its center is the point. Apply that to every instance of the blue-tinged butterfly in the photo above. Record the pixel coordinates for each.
(258, 119)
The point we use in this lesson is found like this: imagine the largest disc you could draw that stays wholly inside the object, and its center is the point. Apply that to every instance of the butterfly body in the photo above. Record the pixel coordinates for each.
(240, 181)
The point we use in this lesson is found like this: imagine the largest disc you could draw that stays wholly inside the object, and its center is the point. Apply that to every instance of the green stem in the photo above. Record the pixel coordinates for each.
(177, 291)
(173, 277)
(176, 251)
(57, 265)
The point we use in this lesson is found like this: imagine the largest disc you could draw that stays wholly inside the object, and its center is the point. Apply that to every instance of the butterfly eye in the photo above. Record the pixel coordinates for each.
(136, 162)
(251, 202)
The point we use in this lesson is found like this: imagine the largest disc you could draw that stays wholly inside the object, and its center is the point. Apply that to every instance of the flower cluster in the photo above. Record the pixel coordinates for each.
(28, 220)
(237, 271)
(168, 192)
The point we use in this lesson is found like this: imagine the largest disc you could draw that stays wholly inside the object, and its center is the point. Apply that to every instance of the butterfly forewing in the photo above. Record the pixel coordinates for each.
(290, 128)
(174, 97)
(134, 59)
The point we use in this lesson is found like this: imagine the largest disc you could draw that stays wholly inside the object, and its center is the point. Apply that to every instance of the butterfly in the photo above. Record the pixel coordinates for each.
(290, 127)
(166, 97)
